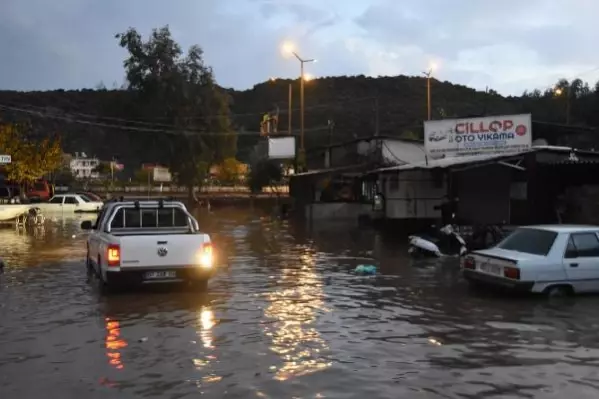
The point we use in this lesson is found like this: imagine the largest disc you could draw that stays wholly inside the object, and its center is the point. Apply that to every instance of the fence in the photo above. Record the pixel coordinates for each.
(283, 189)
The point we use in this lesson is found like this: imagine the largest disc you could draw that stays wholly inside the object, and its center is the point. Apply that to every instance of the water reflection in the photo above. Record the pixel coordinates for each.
(206, 324)
(58, 239)
(114, 343)
(294, 307)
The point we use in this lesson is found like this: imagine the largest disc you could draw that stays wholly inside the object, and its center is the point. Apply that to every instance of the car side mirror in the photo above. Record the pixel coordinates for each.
(86, 225)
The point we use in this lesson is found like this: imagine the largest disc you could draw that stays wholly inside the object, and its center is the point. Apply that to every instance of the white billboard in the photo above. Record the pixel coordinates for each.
(5, 159)
(161, 175)
(469, 136)
(281, 147)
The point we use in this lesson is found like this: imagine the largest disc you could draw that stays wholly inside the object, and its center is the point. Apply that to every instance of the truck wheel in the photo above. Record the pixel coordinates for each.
(558, 291)
(103, 285)
(88, 266)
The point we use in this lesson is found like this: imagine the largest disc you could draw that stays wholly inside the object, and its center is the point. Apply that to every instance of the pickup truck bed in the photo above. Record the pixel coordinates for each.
(148, 242)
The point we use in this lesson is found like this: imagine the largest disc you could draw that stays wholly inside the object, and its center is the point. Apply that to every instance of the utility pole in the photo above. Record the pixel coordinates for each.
(568, 99)
(289, 110)
(377, 126)
(331, 126)
(486, 100)
(428, 92)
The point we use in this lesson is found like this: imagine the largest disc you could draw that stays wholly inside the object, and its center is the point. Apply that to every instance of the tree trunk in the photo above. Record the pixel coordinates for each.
(190, 194)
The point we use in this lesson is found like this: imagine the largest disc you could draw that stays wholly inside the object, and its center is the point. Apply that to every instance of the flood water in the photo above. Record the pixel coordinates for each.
(283, 318)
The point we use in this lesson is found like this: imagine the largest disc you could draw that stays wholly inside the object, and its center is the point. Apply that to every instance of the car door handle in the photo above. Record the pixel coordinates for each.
(573, 264)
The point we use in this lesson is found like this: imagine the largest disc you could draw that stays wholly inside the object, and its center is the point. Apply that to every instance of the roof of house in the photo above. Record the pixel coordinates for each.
(479, 159)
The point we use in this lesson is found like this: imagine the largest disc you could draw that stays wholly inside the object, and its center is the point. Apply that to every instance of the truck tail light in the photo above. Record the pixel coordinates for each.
(113, 255)
(206, 257)
(511, 272)
(469, 263)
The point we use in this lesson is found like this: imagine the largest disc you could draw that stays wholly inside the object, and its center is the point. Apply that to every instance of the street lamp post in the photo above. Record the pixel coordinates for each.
(302, 81)
(289, 48)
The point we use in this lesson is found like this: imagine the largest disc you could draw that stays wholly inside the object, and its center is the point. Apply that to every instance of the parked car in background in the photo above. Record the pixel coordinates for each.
(39, 191)
(71, 203)
(8, 195)
(555, 260)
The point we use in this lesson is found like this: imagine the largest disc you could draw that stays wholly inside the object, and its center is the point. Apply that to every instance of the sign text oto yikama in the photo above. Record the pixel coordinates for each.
(489, 135)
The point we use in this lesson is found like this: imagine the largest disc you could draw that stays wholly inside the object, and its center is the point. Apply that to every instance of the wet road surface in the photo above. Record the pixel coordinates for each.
(284, 318)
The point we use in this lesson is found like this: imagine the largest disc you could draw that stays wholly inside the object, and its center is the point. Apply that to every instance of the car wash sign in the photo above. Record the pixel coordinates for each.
(487, 135)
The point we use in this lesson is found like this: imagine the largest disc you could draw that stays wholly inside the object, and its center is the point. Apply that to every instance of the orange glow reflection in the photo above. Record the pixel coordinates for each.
(206, 324)
(114, 343)
(294, 306)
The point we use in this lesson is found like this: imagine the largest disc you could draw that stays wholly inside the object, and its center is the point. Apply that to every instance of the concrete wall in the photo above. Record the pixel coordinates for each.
(337, 210)
(413, 194)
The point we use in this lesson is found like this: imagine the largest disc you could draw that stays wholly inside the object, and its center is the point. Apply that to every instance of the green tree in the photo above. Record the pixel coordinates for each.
(31, 158)
(181, 90)
(229, 171)
(142, 176)
(264, 173)
(103, 169)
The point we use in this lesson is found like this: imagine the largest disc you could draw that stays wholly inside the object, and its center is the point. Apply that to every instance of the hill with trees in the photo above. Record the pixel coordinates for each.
(171, 107)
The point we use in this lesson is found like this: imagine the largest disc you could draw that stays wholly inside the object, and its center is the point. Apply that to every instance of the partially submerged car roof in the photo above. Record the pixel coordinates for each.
(564, 228)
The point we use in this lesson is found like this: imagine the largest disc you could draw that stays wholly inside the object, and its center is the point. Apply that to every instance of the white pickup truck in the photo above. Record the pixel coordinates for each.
(142, 242)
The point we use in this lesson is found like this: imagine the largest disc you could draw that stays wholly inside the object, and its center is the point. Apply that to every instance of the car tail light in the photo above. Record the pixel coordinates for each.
(206, 255)
(511, 272)
(469, 263)
(113, 255)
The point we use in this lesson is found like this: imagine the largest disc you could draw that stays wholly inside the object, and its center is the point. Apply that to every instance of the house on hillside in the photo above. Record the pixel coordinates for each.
(84, 167)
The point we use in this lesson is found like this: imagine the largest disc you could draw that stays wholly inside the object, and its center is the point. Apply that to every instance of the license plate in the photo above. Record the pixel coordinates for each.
(160, 275)
(491, 269)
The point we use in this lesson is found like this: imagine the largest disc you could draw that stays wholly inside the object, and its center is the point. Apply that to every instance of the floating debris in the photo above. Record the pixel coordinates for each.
(365, 270)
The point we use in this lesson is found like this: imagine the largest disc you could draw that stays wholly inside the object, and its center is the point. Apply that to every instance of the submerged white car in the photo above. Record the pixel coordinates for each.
(549, 259)
(70, 203)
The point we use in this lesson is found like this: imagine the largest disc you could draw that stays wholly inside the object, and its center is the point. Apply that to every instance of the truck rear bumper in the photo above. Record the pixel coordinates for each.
(148, 275)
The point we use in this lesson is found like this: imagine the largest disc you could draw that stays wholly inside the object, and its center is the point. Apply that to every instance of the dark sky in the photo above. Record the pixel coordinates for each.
(508, 45)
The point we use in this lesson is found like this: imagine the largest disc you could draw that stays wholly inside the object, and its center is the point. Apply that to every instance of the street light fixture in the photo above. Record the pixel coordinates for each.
(289, 48)
(566, 91)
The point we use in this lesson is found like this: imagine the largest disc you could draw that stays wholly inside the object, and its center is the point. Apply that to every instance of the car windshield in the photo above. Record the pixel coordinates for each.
(84, 198)
(529, 241)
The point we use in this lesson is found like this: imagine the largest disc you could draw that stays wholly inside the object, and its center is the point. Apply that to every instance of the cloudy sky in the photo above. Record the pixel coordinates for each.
(508, 45)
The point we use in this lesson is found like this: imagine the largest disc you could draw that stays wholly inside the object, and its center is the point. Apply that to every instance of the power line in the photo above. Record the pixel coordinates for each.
(572, 78)
(186, 132)
(207, 117)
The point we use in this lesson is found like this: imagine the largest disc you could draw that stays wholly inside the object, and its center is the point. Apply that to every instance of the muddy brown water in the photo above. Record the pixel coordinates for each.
(283, 318)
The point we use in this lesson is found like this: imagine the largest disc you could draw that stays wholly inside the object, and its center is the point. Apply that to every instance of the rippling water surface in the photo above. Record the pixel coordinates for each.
(284, 318)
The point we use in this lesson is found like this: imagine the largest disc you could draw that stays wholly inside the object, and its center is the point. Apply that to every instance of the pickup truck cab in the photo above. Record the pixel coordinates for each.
(145, 242)
(549, 259)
